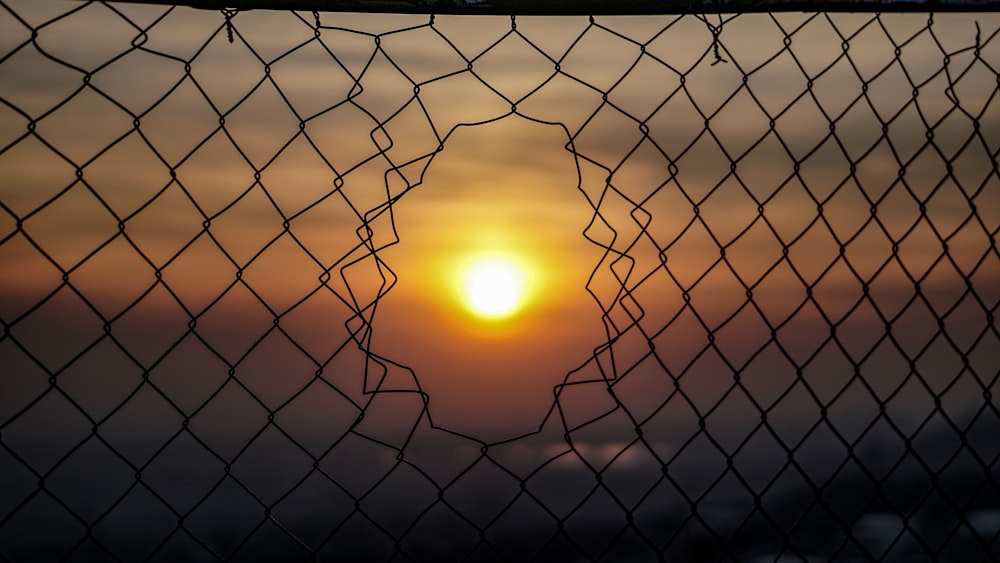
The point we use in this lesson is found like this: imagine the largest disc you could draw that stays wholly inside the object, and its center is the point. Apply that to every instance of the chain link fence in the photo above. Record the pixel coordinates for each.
(764, 326)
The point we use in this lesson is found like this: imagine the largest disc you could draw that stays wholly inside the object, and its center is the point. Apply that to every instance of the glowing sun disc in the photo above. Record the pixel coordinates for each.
(493, 287)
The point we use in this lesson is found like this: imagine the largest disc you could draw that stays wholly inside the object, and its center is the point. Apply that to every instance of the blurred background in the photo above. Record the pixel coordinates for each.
(755, 316)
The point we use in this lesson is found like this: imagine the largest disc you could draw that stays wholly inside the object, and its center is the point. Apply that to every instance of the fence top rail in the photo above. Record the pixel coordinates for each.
(590, 7)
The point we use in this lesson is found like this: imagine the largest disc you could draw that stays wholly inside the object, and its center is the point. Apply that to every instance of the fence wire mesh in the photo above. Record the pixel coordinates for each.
(759, 321)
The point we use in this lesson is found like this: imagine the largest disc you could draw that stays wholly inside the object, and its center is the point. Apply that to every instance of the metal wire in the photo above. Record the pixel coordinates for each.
(818, 387)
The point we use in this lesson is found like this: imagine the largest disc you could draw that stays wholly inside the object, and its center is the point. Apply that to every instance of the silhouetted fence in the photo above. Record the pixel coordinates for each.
(767, 285)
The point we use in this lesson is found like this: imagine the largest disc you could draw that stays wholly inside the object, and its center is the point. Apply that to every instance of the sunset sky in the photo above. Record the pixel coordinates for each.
(291, 204)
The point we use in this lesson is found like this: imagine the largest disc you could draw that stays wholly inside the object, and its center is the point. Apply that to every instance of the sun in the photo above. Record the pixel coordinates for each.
(493, 286)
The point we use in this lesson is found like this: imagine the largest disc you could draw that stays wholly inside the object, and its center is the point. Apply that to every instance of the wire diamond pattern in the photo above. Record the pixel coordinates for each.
(150, 412)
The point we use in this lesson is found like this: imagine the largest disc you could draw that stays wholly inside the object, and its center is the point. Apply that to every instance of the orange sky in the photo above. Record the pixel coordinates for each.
(501, 183)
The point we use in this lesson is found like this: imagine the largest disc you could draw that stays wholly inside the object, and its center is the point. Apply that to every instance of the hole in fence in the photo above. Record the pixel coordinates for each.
(774, 338)
(490, 309)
